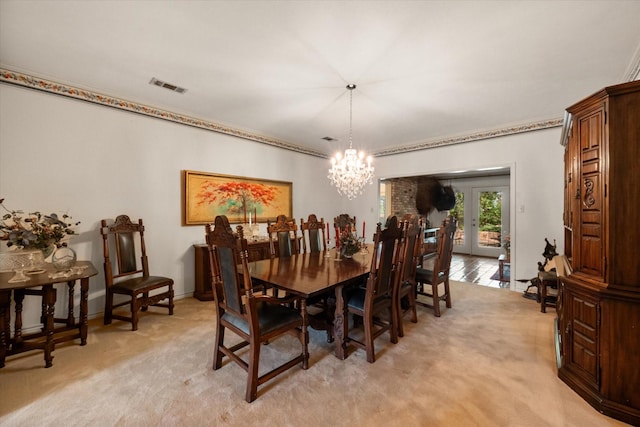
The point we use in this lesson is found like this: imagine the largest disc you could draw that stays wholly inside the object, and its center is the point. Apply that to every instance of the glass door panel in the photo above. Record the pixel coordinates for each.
(489, 220)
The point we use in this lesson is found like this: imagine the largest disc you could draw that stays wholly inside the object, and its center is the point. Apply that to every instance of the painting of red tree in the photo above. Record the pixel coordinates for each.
(236, 197)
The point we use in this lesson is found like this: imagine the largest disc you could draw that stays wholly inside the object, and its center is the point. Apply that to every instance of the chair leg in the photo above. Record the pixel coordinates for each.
(145, 295)
(397, 315)
(219, 342)
(252, 380)
(412, 306)
(436, 299)
(171, 300)
(368, 338)
(108, 307)
(448, 295)
(134, 312)
(393, 327)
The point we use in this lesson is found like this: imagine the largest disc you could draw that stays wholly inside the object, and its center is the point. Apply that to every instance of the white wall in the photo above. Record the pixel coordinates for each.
(61, 154)
(537, 165)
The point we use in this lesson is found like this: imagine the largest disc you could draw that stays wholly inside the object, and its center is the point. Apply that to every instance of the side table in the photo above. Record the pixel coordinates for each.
(42, 285)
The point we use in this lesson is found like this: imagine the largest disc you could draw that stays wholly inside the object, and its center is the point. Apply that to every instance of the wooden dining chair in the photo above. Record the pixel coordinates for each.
(284, 234)
(406, 287)
(313, 231)
(126, 239)
(256, 318)
(374, 302)
(433, 278)
(344, 220)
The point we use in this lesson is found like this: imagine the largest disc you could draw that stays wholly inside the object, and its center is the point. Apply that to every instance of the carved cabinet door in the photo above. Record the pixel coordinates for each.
(590, 128)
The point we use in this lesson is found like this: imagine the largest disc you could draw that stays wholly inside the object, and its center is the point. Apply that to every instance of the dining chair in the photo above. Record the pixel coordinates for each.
(373, 303)
(439, 274)
(284, 233)
(313, 231)
(343, 220)
(256, 318)
(406, 287)
(127, 241)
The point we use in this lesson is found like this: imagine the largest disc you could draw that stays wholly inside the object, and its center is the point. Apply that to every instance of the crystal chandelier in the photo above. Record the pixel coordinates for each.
(349, 172)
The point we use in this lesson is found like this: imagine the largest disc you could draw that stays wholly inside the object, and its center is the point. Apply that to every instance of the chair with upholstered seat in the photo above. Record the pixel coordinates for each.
(343, 221)
(284, 234)
(373, 303)
(433, 278)
(406, 288)
(143, 290)
(313, 231)
(255, 318)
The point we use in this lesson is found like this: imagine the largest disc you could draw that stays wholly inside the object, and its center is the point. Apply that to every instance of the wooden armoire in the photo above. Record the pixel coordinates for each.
(598, 325)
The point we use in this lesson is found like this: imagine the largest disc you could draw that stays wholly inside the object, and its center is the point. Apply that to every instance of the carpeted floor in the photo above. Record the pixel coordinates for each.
(488, 361)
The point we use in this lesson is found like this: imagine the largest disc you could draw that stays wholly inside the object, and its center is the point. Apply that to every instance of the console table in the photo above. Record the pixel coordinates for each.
(50, 334)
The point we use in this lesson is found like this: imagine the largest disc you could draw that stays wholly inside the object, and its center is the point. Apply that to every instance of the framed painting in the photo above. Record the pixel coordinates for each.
(241, 199)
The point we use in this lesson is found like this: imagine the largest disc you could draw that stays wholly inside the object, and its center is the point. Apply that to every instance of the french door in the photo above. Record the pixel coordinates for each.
(483, 220)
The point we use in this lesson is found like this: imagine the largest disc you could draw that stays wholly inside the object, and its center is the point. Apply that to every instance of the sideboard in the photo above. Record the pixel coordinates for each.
(257, 250)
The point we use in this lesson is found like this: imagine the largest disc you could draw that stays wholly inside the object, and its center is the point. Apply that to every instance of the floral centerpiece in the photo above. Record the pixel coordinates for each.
(35, 230)
(349, 242)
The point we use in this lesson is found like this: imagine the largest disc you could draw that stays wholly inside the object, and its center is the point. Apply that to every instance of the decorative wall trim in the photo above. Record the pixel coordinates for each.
(25, 80)
(545, 124)
(28, 81)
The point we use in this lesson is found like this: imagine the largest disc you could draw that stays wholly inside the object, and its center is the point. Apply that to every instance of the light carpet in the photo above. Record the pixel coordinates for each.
(488, 361)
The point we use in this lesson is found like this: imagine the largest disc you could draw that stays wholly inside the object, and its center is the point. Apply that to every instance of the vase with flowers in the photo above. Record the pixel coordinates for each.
(349, 242)
(35, 230)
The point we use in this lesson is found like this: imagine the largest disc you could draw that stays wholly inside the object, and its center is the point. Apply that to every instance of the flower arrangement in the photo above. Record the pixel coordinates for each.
(34, 230)
(349, 242)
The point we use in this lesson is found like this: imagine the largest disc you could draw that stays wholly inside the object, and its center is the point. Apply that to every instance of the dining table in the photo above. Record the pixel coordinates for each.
(310, 275)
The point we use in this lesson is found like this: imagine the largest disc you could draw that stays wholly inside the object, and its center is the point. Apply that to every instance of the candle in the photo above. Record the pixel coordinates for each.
(255, 214)
(337, 238)
(249, 219)
(363, 230)
(328, 234)
(245, 214)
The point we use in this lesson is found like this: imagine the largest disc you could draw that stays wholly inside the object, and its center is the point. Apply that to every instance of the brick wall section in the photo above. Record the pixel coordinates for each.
(403, 196)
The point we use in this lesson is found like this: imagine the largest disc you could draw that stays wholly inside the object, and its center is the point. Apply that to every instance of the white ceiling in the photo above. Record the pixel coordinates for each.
(425, 71)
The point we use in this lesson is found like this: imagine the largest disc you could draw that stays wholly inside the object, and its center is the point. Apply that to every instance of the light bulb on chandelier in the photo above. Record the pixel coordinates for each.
(349, 173)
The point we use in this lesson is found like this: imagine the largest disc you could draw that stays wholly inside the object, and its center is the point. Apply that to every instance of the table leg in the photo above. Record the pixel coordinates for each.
(340, 325)
(5, 320)
(84, 310)
(50, 302)
(71, 320)
(18, 296)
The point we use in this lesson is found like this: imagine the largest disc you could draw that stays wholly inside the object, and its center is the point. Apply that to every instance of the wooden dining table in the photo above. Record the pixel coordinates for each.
(313, 274)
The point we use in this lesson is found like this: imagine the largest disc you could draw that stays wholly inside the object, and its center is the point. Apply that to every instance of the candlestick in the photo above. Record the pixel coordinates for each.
(249, 219)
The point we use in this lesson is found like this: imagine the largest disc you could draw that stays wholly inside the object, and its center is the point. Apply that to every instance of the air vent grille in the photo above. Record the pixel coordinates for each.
(166, 85)
(329, 139)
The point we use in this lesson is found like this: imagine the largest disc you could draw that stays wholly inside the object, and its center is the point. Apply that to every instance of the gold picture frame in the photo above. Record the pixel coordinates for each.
(241, 199)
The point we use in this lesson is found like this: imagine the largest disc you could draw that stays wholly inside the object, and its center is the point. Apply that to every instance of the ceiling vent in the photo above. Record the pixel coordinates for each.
(166, 85)
(329, 139)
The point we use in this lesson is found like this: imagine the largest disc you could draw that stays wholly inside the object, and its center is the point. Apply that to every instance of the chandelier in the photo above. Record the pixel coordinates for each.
(349, 173)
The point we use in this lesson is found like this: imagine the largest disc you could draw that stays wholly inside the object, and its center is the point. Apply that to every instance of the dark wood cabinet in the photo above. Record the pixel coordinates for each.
(203, 292)
(599, 310)
(257, 250)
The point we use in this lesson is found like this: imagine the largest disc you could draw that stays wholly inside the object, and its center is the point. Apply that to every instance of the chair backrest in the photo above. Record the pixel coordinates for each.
(444, 251)
(127, 238)
(342, 221)
(286, 232)
(314, 234)
(411, 252)
(226, 252)
(384, 260)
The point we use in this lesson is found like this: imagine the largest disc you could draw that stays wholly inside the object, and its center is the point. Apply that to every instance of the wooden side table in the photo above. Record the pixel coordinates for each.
(50, 334)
